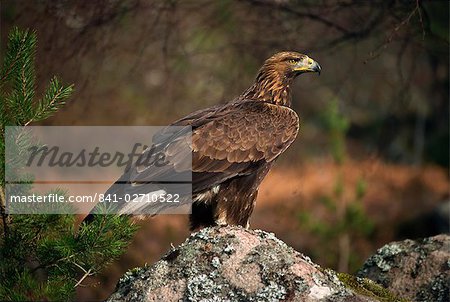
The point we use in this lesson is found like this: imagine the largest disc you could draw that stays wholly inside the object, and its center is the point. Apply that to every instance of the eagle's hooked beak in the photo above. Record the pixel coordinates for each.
(315, 67)
(308, 65)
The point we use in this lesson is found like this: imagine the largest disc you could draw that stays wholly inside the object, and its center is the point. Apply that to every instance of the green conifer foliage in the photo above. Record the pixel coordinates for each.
(43, 256)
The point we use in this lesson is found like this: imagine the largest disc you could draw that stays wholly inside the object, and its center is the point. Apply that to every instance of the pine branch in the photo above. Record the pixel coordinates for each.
(19, 66)
(53, 99)
(43, 242)
(23, 234)
(19, 75)
(24, 81)
(18, 43)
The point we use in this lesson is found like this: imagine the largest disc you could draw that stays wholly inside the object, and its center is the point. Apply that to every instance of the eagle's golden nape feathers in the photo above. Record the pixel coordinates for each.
(273, 81)
(234, 145)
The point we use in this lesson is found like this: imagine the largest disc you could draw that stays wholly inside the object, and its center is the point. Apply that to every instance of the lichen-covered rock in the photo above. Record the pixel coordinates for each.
(235, 264)
(418, 270)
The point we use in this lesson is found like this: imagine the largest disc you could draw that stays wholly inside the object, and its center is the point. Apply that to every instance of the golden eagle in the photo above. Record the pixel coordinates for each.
(234, 145)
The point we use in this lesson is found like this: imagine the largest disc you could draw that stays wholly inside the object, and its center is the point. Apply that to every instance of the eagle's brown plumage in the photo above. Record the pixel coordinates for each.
(234, 145)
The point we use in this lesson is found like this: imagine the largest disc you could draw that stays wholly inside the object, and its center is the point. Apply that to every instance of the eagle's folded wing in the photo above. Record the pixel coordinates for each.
(227, 141)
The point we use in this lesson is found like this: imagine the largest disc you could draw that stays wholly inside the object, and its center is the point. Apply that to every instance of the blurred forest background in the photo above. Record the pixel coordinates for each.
(371, 164)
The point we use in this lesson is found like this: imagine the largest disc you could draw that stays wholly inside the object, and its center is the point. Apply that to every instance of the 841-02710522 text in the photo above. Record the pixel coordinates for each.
(60, 198)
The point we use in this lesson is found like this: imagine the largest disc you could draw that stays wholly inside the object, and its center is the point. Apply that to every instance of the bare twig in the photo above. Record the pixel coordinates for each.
(87, 273)
(311, 16)
(374, 54)
(419, 7)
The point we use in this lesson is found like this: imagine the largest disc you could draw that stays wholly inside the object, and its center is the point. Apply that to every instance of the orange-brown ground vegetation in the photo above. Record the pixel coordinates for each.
(394, 194)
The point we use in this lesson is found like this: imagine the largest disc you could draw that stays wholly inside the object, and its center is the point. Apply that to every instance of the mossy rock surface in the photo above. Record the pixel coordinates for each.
(418, 270)
(235, 264)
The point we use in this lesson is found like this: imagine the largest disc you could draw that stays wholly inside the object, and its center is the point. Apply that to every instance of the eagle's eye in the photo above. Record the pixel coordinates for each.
(294, 61)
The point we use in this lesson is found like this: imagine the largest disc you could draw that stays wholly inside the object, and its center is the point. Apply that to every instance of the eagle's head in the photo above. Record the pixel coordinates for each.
(290, 64)
(273, 81)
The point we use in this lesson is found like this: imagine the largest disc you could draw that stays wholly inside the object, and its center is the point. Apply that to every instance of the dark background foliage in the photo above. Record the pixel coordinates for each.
(386, 61)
